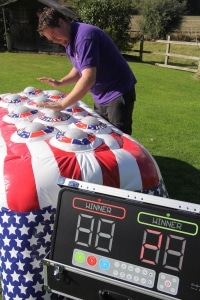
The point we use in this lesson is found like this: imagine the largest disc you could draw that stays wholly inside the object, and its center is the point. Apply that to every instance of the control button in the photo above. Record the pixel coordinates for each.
(91, 260)
(168, 283)
(150, 282)
(130, 268)
(116, 264)
(129, 276)
(143, 280)
(123, 266)
(161, 286)
(79, 257)
(136, 278)
(144, 272)
(137, 270)
(115, 272)
(104, 264)
(122, 274)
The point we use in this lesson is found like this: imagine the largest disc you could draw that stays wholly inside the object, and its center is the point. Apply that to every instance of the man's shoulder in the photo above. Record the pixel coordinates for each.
(85, 28)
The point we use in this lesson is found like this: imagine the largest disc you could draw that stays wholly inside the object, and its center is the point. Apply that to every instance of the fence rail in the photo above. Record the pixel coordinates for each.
(167, 54)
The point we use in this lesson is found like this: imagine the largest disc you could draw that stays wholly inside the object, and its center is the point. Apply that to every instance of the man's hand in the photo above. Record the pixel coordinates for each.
(51, 105)
(50, 81)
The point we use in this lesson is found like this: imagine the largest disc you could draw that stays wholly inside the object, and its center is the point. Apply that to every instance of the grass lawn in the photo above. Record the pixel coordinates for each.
(166, 116)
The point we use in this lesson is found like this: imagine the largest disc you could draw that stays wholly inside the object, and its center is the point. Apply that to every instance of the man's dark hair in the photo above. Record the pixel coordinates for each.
(49, 17)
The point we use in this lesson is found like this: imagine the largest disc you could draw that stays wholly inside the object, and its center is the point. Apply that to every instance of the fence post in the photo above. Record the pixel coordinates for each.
(167, 50)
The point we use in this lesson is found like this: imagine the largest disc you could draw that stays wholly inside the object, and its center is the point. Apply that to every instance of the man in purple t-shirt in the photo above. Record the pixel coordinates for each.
(98, 68)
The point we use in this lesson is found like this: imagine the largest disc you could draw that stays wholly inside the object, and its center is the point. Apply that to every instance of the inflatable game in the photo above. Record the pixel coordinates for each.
(38, 146)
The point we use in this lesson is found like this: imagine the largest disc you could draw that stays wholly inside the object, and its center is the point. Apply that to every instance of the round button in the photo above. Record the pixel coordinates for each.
(104, 264)
(150, 282)
(79, 257)
(123, 266)
(116, 264)
(137, 270)
(136, 278)
(143, 280)
(122, 274)
(91, 260)
(161, 286)
(115, 272)
(129, 276)
(144, 272)
(168, 283)
(130, 268)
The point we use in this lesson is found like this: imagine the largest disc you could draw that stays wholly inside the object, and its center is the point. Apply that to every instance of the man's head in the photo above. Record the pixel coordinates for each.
(54, 26)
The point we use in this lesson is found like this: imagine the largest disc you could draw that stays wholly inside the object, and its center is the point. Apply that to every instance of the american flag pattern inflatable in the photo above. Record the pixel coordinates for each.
(36, 148)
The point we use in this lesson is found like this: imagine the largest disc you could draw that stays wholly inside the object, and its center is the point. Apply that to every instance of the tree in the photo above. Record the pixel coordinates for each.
(160, 17)
(113, 16)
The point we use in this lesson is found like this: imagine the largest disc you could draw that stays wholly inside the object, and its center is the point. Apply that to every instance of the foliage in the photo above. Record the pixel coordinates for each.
(113, 16)
(160, 17)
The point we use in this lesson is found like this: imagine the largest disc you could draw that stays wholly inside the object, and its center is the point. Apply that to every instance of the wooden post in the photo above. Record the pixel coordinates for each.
(8, 38)
(167, 50)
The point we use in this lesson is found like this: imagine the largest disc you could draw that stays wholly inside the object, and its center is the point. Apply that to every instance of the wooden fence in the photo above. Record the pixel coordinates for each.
(168, 54)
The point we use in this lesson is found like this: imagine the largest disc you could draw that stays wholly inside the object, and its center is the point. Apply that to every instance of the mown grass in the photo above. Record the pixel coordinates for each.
(166, 115)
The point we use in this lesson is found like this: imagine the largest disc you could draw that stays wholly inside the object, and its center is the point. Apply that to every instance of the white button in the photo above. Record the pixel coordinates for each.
(123, 266)
(161, 287)
(144, 272)
(129, 276)
(136, 278)
(116, 264)
(137, 270)
(143, 280)
(130, 268)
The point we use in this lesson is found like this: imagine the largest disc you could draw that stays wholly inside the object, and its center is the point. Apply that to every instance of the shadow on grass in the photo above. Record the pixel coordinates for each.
(181, 179)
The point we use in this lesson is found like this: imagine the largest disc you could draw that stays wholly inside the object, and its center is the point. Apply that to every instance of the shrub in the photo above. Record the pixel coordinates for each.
(160, 17)
(112, 16)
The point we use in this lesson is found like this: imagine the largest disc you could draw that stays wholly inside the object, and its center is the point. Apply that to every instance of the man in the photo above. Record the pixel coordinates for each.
(98, 68)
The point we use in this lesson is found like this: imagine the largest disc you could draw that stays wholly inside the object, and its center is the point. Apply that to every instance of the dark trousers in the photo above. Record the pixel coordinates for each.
(119, 111)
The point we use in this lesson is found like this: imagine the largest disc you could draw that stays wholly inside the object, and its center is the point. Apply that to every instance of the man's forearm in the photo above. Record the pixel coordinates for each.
(72, 77)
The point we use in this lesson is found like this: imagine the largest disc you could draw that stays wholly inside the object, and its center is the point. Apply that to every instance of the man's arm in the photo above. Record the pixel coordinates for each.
(82, 86)
(72, 77)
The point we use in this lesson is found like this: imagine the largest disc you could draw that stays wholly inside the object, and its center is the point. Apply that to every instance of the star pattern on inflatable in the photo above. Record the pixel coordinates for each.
(31, 232)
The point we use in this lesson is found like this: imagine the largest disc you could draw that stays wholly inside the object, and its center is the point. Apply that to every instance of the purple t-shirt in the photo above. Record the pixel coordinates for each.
(91, 47)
